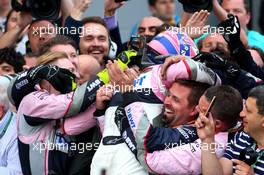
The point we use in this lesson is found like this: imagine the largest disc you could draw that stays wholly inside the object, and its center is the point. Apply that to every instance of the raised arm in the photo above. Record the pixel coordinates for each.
(221, 14)
(206, 132)
(11, 37)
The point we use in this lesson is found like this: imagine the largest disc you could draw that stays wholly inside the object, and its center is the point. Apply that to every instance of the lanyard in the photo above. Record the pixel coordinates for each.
(6, 126)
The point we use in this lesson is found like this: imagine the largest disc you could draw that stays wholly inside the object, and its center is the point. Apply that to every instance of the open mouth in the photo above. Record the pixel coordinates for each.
(168, 111)
(96, 52)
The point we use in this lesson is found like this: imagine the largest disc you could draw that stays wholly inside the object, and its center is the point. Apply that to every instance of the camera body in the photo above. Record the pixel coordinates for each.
(39, 9)
(117, 1)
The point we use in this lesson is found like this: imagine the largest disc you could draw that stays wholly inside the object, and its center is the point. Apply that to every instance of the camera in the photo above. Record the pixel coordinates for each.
(146, 56)
(39, 9)
(192, 6)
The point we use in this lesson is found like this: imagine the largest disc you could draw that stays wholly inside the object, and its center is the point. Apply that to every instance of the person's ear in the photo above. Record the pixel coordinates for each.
(248, 17)
(194, 112)
(219, 125)
(262, 121)
(44, 84)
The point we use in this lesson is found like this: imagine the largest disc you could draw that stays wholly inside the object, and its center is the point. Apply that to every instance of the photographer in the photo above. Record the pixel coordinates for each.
(42, 21)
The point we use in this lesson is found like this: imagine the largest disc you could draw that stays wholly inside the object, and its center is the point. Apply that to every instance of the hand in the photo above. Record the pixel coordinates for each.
(103, 95)
(80, 6)
(61, 79)
(205, 128)
(24, 20)
(110, 7)
(195, 26)
(122, 80)
(242, 168)
(231, 28)
(169, 61)
(213, 61)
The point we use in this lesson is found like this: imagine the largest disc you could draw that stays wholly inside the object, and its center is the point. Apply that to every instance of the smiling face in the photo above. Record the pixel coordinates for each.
(95, 41)
(177, 109)
(253, 121)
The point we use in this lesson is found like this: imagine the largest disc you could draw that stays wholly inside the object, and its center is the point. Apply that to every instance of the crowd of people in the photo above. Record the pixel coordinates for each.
(180, 97)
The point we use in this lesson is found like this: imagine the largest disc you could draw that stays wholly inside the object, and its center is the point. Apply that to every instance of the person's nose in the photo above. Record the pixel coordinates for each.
(243, 113)
(167, 101)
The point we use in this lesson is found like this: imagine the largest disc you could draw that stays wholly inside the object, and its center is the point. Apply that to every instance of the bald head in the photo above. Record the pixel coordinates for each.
(88, 66)
(148, 25)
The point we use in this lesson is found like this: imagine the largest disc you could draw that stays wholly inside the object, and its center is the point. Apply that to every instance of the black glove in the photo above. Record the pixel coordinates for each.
(213, 61)
(192, 6)
(231, 28)
(61, 79)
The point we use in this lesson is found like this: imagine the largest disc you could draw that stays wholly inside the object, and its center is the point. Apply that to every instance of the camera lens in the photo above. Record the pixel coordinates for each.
(48, 9)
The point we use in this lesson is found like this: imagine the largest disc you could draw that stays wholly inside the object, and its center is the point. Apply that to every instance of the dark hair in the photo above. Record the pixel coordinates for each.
(164, 27)
(228, 104)
(15, 59)
(246, 4)
(152, 2)
(197, 90)
(57, 40)
(95, 19)
(258, 94)
(37, 20)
